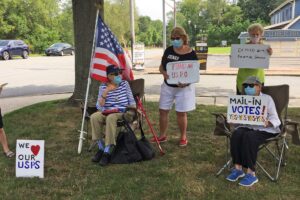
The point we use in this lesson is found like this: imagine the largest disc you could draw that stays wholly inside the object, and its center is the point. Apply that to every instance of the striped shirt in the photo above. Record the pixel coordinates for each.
(119, 98)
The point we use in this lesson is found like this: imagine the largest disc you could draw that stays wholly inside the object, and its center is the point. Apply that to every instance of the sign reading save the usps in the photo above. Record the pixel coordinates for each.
(30, 158)
(244, 109)
(249, 56)
(183, 72)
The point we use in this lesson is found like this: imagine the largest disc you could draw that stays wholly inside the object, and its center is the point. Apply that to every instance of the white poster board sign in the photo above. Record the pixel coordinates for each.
(138, 54)
(30, 158)
(183, 72)
(244, 109)
(249, 56)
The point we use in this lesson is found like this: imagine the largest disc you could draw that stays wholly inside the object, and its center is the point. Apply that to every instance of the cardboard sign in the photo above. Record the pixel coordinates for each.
(244, 109)
(249, 56)
(30, 158)
(138, 54)
(183, 72)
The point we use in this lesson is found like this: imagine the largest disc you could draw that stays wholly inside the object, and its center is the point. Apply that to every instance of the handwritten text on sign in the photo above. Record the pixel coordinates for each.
(30, 158)
(249, 56)
(243, 109)
(183, 72)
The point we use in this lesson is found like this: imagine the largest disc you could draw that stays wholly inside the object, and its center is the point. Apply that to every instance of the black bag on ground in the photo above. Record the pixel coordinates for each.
(128, 149)
(144, 146)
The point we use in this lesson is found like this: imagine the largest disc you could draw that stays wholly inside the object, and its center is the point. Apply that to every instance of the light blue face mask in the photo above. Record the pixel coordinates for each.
(250, 91)
(117, 80)
(177, 43)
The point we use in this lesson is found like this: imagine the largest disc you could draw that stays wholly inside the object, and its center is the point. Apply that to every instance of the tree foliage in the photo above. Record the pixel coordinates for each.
(258, 9)
(38, 22)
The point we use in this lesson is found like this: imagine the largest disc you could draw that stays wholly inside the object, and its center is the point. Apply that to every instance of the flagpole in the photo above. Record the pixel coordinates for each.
(82, 132)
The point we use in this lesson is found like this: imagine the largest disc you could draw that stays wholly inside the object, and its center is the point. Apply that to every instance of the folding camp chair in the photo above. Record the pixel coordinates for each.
(280, 95)
(137, 88)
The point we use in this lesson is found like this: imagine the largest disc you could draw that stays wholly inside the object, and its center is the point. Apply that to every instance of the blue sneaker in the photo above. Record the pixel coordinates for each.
(235, 175)
(248, 180)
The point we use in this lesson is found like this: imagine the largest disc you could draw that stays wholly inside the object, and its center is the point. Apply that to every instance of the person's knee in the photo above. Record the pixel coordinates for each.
(181, 114)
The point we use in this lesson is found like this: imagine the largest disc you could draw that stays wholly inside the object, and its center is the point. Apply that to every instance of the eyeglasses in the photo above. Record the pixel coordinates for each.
(175, 38)
(249, 85)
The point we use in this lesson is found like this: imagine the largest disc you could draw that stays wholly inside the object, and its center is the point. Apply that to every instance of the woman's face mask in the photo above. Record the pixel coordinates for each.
(250, 90)
(255, 40)
(117, 80)
(177, 43)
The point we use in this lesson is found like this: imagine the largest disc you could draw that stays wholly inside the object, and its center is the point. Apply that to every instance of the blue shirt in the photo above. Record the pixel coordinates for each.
(119, 98)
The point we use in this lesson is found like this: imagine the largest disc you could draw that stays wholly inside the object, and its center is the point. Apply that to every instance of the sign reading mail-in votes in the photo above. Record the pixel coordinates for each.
(183, 72)
(244, 109)
(249, 56)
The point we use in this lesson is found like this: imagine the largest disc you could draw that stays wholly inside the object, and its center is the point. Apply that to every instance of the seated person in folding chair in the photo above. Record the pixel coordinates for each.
(113, 99)
(246, 139)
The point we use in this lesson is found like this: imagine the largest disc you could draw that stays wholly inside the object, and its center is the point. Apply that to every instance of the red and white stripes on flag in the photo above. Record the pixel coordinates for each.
(107, 52)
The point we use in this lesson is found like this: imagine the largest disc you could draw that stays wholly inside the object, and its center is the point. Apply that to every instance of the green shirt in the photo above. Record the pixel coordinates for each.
(244, 73)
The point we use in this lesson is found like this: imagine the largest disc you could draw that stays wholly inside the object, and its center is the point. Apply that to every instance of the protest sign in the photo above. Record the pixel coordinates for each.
(183, 72)
(30, 158)
(244, 109)
(138, 56)
(249, 56)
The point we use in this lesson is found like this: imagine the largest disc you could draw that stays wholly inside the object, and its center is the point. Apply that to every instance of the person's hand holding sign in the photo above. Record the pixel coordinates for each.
(270, 51)
(1, 86)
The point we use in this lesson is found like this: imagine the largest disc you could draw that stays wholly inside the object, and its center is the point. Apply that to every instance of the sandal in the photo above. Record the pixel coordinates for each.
(9, 154)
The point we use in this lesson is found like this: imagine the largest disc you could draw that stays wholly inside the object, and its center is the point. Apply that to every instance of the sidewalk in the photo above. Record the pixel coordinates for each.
(152, 88)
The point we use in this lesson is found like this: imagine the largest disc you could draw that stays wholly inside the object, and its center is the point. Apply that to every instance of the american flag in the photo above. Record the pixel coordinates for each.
(108, 51)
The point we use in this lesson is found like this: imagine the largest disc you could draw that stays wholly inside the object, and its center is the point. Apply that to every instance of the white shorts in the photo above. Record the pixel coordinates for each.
(185, 99)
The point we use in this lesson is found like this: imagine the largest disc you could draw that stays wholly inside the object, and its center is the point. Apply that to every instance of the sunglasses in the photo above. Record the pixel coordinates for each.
(249, 85)
(115, 73)
(175, 38)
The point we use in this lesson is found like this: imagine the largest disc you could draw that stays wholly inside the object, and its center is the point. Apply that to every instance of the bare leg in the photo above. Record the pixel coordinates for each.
(163, 122)
(3, 140)
(249, 171)
(237, 166)
(182, 123)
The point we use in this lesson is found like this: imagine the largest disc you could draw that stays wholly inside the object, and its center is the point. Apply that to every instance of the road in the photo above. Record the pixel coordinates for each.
(48, 75)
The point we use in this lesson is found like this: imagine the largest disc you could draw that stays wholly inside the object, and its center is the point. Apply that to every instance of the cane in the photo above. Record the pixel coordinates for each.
(140, 106)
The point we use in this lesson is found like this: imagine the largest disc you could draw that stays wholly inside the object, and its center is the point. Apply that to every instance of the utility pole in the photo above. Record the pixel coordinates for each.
(174, 13)
(164, 26)
(132, 27)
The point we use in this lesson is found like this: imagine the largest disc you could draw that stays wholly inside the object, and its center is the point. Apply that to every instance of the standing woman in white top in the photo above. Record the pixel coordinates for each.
(182, 94)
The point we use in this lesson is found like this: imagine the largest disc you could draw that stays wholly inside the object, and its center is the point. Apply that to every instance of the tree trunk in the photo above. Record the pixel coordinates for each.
(84, 17)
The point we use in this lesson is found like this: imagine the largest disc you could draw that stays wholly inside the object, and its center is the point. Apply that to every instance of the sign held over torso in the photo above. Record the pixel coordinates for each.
(183, 72)
(249, 56)
(245, 109)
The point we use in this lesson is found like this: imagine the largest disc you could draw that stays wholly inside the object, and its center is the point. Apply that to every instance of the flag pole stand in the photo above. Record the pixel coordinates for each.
(82, 132)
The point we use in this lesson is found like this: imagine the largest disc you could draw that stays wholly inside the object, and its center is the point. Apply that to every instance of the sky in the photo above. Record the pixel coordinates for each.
(152, 8)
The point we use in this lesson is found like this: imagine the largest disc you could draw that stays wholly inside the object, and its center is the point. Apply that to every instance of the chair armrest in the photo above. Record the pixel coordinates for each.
(291, 127)
(222, 128)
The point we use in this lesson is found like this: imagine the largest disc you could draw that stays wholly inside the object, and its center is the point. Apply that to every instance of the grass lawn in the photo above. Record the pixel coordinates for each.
(182, 173)
(219, 50)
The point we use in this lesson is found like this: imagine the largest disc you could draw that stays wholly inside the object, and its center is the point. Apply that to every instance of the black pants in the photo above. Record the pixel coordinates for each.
(244, 145)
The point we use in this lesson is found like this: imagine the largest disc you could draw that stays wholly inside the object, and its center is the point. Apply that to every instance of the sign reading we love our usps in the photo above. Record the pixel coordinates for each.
(244, 109)
(183, 72)
(30, 158)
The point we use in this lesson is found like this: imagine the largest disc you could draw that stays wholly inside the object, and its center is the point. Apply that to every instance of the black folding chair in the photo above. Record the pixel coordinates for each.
(137, 88)
(280, 95)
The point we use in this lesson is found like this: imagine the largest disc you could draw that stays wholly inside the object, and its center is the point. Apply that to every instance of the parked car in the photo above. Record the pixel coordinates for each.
(60, 49)
(10, 48)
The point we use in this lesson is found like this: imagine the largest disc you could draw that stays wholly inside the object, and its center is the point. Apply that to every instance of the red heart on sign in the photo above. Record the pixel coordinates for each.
(35, 149)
